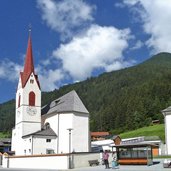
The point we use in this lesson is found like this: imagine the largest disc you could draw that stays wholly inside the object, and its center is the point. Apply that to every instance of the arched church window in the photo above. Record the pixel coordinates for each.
(47, 125)
(32, 98)
(19, 100)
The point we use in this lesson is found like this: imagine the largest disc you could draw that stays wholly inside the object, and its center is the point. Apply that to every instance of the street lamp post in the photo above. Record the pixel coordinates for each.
(69, 129)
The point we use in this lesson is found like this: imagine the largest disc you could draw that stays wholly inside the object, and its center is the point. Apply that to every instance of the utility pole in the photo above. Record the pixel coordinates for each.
(69, 129)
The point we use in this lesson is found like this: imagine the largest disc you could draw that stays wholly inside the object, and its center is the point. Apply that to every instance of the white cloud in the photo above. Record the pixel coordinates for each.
(49, 78)
(64, 16)
(9, 70)
(119, 5)
(116, 65)
(155, 15)
(131, 2)
(137, 45)
(92, 47)
(46, 62)
(98, 47)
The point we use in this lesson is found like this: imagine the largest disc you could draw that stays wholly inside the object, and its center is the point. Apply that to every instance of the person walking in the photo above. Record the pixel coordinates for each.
(115, 164)
(105, 158)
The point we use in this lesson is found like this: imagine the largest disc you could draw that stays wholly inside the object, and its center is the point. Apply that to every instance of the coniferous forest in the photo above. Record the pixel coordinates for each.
(117, 101)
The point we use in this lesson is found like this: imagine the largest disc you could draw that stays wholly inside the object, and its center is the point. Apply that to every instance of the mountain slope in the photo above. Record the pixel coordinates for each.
(150, 131)
(121, 100)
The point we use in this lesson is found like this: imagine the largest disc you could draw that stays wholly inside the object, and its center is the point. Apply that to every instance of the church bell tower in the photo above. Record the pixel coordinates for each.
(28, 97)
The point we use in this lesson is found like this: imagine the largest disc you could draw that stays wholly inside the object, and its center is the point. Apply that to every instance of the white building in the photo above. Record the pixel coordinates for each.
(62, 126)
(102, 145)
(167, 118)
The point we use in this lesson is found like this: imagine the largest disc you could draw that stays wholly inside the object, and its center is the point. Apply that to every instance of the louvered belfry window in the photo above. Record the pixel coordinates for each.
(32, 98)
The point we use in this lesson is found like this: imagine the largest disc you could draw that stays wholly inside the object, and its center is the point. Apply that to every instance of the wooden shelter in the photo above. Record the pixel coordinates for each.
(135, 154)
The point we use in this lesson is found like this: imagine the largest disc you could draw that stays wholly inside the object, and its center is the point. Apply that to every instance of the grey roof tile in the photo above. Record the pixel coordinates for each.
(43, 132)
(67, 103)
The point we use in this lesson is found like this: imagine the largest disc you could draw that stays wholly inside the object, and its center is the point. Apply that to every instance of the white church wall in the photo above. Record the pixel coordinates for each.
(19, 150)
(167, 133)
(18, 112)
(40, 145)
(25, 100)
(31, 118)
(19, 92)
(53, 121)
(65, 121)
(31, 87)
(14, 139)
(37, 117)
(23, 119)
(27, 146)
(28, 87)
(27, 129)
(17, 141)
(80, 136)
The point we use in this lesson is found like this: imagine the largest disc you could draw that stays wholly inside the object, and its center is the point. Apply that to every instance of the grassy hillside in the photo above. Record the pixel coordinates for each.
(122, 100)
(155, 130)
(5, 135)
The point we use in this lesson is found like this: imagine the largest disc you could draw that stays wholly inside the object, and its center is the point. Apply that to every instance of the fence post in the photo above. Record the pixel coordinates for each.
(0, 158)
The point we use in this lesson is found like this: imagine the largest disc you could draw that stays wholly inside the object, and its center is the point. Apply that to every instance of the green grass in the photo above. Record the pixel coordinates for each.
(162, 157)
(155, 130)
(5, 135)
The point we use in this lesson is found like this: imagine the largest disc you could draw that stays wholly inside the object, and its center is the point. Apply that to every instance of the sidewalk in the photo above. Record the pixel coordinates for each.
(157, 166)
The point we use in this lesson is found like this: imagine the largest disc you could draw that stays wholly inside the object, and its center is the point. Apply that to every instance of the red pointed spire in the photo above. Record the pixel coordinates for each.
(29, 65)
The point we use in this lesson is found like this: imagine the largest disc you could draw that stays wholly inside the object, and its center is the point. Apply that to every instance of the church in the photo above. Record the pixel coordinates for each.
(61, 126)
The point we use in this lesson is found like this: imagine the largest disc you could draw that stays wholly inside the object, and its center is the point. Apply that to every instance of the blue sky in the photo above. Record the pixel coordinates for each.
(76, 39)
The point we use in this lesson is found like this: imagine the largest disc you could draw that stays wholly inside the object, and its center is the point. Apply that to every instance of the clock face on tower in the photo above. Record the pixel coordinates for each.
(31, 110)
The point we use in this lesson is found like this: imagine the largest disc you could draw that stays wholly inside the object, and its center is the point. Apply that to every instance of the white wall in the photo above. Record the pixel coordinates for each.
(81, 160)
(79, 123)
(167, 133)
(24, 123)
(37, 162)
(25, 92)
(60, 123)
(31, 87)
(40, 145)
(65, 122)
(50, 161)
(81, 141)
(17, 141)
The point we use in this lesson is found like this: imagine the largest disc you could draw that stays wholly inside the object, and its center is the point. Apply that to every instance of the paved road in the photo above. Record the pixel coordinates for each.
(158, 166)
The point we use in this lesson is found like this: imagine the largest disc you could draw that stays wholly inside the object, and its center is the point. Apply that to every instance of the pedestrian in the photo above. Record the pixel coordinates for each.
(105, 159)
(115, 164)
